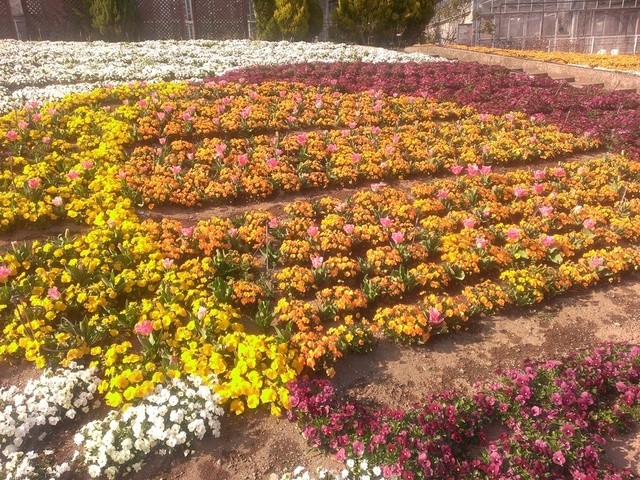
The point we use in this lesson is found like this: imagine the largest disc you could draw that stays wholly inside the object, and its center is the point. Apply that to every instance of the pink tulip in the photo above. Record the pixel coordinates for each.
(481, 242)
(596, 262)
(348, 228)
(22, 125)
(316, 261)
(87, 164)
(519, 192)
(162, 141)
(472, 170)
(274, 222)
(12, 135)
(53, 293)
(302, 138)
(186, 231)
(243, 160)
(57, 201)
(397, 237)
(167, 262)
(201, 313)
(272, 162)
(538, 188)
(4, 272)
(539, 174)
(547, 240)
(589, 223)
(457, 169)
(513, 233)
(46, 140)
(145, 327)
(469, 222)
(545, 210)
(442, 193)
(377, 186)
(232, 232)
(386, 222)
(435, 317)
(312, 231)
(73, 175)
(485, 170)
(176, 169)
(34, 183)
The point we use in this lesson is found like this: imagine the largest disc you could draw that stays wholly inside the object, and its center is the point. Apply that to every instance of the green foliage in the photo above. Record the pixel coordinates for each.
(288, 19)
(292, 18)
(114, 19)
(382, 21)
(266, 26)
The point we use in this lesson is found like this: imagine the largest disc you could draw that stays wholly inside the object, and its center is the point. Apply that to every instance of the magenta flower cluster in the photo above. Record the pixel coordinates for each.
(547, 420)
(612, 117)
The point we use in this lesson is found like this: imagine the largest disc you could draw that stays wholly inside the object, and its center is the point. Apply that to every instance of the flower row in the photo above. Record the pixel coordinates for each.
(555, 419)
(70, 160)
(612, 117)
(629, 63)
(218, 170)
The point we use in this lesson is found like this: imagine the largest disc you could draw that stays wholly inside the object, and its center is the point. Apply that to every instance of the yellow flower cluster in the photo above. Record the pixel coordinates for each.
(614, 62)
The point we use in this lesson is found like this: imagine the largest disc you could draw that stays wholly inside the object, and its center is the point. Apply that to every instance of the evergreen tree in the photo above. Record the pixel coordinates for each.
(381, 21)
(266, 26)
(292, 18)
(114, 19)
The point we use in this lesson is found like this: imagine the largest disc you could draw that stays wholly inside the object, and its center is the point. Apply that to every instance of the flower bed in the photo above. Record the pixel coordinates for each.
(48, 70)
(228, 310)
(553, 420)
(626, 63)
(612, 117)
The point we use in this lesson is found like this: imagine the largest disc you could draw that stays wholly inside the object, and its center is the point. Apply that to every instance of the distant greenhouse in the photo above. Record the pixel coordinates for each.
(570, 25)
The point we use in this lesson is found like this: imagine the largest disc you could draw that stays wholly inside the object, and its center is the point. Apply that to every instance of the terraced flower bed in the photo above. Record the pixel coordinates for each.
(457, 208)
(623, 62)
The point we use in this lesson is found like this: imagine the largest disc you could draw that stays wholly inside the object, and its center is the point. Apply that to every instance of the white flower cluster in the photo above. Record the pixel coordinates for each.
(171, 417)
(354, 470)
(33, 466)
(61, 67)
(45, 401)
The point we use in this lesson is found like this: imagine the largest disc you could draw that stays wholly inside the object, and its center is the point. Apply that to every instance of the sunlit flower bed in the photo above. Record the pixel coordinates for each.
(48, 70)
(176, 321)
(627, 63)
(553, 420)
(611, 117)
